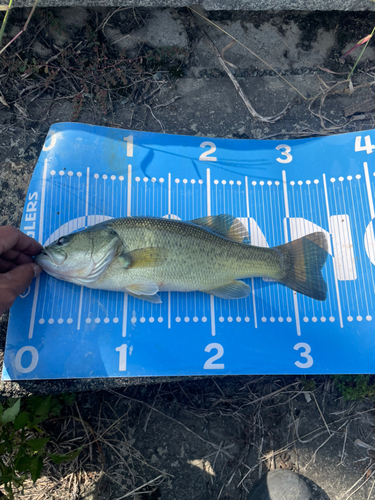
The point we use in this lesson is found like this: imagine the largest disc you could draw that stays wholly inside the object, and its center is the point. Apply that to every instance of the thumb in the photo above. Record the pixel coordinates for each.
(15, 282)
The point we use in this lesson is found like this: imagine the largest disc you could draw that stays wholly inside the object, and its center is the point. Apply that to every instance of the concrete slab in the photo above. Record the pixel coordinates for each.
(275, 5)
(162, 29)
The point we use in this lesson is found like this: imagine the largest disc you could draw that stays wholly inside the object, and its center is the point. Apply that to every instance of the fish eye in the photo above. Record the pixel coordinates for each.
(62, 240)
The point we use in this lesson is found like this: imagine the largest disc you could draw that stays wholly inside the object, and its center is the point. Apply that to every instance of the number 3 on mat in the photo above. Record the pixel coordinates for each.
(304, 354)
(288, 157)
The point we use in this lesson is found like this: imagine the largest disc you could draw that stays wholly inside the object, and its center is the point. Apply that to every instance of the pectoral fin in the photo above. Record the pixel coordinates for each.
(233, 290)
(154, 299)
(147, 288)
(143, 258)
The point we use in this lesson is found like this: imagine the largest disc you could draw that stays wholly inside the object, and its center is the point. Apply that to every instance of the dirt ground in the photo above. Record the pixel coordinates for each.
(211, 439)
(155, 70)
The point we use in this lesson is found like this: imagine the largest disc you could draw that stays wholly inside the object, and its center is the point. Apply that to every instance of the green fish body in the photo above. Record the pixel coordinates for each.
(145, 255)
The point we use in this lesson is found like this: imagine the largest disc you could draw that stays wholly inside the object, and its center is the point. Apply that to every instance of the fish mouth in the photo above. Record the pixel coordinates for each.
(47, 256)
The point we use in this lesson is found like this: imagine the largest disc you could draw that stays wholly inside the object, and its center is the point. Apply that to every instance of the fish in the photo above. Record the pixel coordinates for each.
(146, 255)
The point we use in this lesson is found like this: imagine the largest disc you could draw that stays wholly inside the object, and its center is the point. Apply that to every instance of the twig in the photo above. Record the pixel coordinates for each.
(372, 487)
(255, 114)
(140, 487)
(267, 396)
(215, 446)
(218, 386)
(362, 107)
(119, 39)
(359, 487)
(260, 457)
(229, 46)
(362, 444)
(23, 29)
(251, 52)
(319, 115)
(149, 413)
(330, 71)
(343, 446)
(321, 446)
(159, 87)
(247, 473)
(3, 24)
(304, 441)
(84, 426)
(159, 122)
(321, 414)
(123, 459)
(168, 102)
(303, 133)
(108, 17)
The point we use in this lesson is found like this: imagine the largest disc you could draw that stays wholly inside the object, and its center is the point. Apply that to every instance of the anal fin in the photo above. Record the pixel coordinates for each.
(233, 290)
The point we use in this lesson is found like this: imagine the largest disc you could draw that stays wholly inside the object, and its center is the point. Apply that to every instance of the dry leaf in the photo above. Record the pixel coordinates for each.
(330, 71)
(3, 101)
(21, 109)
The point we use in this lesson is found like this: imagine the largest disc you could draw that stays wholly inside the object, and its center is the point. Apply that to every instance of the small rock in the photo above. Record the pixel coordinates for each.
(41, 50)
(280, 484)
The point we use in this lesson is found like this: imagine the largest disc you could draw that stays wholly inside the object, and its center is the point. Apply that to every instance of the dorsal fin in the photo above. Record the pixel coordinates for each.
(225, 225)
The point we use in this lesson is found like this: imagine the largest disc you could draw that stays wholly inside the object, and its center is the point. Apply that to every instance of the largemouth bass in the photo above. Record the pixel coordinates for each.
(145, 255)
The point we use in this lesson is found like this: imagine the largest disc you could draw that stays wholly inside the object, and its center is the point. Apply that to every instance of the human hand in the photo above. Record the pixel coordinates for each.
(17, 268)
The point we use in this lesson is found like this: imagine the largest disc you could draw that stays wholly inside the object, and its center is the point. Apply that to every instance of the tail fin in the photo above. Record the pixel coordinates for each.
(303, 261)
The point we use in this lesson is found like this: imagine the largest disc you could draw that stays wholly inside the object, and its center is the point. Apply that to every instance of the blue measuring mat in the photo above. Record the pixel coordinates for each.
(281, 190)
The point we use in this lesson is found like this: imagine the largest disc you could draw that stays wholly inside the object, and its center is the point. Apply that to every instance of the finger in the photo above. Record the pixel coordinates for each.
(15, 282)
(6, 265)
(16, 256)
(11, 237)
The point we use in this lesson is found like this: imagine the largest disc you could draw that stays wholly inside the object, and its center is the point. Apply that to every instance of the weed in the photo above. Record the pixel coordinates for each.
(356, 387)
(309, 384)
(169, 59)
(99, 75)
(23, 442)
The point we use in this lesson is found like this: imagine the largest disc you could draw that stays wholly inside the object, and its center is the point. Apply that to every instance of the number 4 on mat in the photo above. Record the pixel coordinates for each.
(368, 147)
